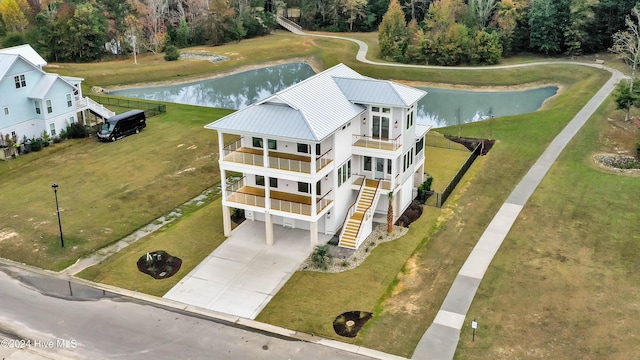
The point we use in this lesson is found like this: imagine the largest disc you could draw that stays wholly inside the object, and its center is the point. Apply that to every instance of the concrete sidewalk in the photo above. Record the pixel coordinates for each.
(242, 275)
(441, 339)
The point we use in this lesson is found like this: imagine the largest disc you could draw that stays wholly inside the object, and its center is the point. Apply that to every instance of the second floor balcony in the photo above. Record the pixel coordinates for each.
(242, 194)
(235, 152)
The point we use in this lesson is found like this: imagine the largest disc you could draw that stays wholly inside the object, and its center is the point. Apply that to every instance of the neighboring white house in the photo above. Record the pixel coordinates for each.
(33, 101)
(323, 155)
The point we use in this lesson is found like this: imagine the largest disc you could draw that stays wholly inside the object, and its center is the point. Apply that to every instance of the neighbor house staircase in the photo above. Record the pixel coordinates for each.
(359, 213)
(87, 103)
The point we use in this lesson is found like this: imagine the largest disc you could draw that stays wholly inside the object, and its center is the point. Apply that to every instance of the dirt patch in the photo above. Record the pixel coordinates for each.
(471, 143)
(6, 234)
(348, 324)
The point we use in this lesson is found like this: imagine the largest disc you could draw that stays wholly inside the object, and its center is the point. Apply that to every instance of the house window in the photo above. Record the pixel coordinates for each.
(6, 110)
(259, 180)
(20, 81)
(318, 188)
(257, 142)
(303, 187)
(72, 120)
(49, 107)
(52, 128)
(303, 148)
(273, 182)
(13, 135)
(388, 166)
(375, 109)
(407, 160)
(38, 105)
(272, 144)
(386, 110)
(344, 172)
(419, 145)
(69, 102)
(318, 150)
(367, 163)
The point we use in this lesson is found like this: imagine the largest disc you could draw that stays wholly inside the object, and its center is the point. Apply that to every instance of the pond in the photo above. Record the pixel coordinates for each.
(440, 108)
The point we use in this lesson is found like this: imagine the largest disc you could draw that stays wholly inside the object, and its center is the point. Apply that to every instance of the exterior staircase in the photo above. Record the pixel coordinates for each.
(289, 25)
(361, 211)
(87, 103)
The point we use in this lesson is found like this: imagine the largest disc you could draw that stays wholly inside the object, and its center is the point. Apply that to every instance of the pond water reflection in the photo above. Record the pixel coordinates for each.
(441, 107)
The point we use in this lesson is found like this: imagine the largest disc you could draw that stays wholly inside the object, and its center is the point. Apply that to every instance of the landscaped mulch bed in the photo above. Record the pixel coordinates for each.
(159, 264)
(349, 324)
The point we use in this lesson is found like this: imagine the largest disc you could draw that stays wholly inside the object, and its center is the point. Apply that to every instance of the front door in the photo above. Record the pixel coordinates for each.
(379, 168)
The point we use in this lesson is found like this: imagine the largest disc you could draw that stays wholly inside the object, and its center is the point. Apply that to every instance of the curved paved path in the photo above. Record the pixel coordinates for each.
(441, 339)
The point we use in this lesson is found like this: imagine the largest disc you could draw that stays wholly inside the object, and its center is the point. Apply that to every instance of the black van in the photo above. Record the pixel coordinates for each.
(119, 126)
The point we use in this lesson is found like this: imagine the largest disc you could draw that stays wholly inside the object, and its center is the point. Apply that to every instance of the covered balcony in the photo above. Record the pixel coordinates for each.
(379, 143)
(242, 194)
(235, 152)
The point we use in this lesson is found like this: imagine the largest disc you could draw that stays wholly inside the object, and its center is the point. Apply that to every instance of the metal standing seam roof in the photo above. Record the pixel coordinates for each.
(371, 91)
(6, 61)
(316, 107)
(27, 52)
(41, 89)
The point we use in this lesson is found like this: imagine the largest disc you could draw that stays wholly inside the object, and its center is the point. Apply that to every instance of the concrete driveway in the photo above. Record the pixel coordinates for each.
(242, 275)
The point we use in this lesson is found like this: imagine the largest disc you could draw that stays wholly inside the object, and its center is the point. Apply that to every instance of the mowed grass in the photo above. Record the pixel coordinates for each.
(406, 294)
(191, 239)
(153, 67)
(565, 282)
(107, 190)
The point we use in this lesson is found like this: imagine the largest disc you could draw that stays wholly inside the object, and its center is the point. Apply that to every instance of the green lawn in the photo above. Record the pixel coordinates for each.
(107, 190)
(191, 239)
(565, 282)
(387, 283)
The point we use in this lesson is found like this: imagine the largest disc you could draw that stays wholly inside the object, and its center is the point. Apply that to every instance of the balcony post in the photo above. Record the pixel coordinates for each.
(268, 227)
(313, 233)
(226, 220)
(314, 199)
(267, 192)
(265, 153)
(221, 150)
(313, 158)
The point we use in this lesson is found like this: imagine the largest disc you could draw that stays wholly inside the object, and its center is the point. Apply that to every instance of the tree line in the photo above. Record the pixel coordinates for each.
(79, 31)
(452, 32)
(444, 32)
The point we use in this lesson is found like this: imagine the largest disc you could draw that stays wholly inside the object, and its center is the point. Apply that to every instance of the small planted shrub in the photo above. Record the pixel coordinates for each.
(56, 139)
(424, 190)
(63, 134)
(77, 131)
(171, 53)
(36, 144)
(321, 257)
(46, 138)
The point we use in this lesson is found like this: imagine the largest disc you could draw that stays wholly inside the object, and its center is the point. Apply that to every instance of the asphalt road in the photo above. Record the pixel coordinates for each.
(70, 320)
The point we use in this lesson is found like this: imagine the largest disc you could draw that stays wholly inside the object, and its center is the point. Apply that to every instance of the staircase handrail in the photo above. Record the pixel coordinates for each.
(367, 213)
(351, 211)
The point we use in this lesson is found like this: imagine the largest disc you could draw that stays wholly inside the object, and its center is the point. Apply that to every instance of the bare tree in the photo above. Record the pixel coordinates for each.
(414, 5)
(482, 10)
(626, 44)
(156, 13)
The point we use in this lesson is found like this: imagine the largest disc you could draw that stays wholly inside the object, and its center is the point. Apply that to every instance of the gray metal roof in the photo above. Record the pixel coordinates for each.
(27, 52)
(422, 130)
(316, 107)
(371, 91)
(43, 86)
(6, 61)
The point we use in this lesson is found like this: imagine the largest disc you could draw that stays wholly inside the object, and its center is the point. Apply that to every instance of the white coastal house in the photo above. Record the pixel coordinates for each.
(33, 101)
(323, 155)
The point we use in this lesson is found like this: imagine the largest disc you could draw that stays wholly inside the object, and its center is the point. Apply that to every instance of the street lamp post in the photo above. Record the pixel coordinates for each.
(55, 192)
